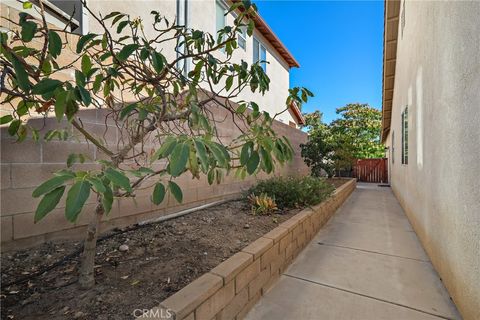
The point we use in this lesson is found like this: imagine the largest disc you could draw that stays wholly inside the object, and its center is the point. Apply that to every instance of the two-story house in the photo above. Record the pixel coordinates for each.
(205, 15)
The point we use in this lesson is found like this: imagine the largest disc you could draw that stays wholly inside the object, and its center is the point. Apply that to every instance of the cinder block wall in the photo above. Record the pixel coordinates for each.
(25, 165)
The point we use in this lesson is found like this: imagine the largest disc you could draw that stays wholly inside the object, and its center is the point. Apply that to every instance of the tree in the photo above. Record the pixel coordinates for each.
(318, 152)
(148, 98)
(358, 130)
(335, 146)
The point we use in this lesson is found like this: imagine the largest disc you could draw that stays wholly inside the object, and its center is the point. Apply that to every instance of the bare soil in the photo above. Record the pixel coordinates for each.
(161, 259)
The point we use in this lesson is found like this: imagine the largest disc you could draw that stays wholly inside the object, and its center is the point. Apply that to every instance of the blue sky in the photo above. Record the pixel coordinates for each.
(339, 46)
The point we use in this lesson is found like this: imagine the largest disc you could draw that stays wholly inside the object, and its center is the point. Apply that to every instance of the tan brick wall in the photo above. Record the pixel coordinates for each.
(25, 165)
(232, 288)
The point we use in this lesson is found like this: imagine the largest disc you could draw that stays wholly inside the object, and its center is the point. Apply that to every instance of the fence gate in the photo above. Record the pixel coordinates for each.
(371, 170)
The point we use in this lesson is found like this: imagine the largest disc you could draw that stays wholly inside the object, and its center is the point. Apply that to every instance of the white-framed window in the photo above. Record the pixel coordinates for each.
(259, 53)
(242, 38)
(59, 13)
(405, 136)
(65, 9)
(220, 18)
(393, 147)
(182, 20)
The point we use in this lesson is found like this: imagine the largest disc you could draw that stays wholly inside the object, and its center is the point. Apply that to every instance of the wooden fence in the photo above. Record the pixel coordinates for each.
(371, 170)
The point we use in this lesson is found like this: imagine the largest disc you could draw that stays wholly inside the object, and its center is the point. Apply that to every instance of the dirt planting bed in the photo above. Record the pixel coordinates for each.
(161, 259)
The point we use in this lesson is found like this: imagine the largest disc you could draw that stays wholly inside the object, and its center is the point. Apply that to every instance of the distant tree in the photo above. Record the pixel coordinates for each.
(318, 152)
(334, 147)
(148, 98)
(358, 131)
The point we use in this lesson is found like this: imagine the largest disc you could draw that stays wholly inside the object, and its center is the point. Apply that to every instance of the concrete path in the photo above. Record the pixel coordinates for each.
(365, 263)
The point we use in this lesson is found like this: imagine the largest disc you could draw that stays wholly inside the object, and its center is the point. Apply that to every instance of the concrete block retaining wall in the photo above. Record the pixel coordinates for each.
(232, 288)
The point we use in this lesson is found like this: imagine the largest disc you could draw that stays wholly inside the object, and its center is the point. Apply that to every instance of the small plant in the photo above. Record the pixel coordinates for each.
(262, 204)
(293, 192)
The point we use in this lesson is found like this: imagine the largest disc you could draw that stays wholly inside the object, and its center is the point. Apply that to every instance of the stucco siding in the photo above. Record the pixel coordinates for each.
(438, 78)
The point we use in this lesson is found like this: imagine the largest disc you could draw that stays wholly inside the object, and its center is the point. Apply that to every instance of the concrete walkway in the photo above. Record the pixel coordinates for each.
(366, 263)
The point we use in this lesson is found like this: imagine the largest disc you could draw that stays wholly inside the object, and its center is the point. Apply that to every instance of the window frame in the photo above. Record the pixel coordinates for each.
(242, 36)
(55, 16)
(221, 4)
(257, 43)
(183, 17)
(405, 136)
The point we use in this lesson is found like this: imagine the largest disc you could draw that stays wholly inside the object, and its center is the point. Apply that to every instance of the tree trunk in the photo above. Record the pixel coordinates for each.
(87, 272)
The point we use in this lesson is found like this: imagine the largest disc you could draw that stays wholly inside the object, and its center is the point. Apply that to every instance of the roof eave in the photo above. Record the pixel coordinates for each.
(262, 26)
(390, 37)
(297, 113)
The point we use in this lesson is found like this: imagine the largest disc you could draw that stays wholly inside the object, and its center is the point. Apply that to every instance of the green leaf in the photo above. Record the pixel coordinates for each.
(118, 179)
(22, 108)
(253, 162)
(60, 104)
(111, 15)
(27, 5)
(86, 64)
(178, 159)
(158, 193)
(97, 83)
(50, 184)
(117, 18)
(197, 71)
(107, 199)
(6, 119)
(165, 150)
(97, 184)
(76, 198)
(127, 51)
(219, 153)
(251, 27)
(202, 154)
(157, 61)
(122, 25)
(74, 158)
(48, 203)
(211, 176)
(45, 86)
(176, 191)
(20, 73)
(46, 67)
(65, 173)
(144, 53)
(80, 78)
(142, 171)
(126, 111)
(247, 150)
(28, 30)
(229, 83)
(84, 40)
(241, 109)
(266, 160)
(54, 43)
(13, 127)
(85, 95)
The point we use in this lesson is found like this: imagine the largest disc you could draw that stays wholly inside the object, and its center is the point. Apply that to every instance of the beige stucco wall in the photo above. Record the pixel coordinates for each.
(202, 16)
(438, 77)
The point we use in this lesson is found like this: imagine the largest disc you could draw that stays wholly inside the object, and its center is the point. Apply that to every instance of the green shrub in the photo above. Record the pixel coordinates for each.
(293, 192)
